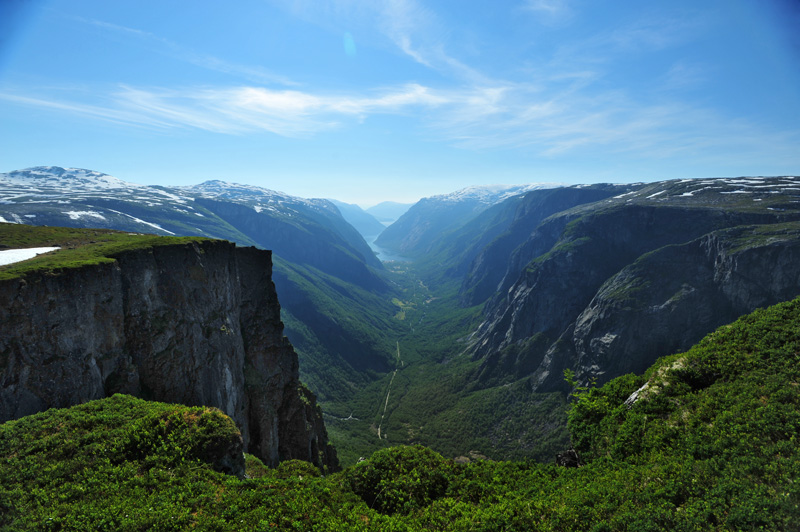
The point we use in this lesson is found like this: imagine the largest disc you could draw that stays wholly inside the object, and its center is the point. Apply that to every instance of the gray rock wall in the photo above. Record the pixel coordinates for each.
(630, 285)
(196, 324)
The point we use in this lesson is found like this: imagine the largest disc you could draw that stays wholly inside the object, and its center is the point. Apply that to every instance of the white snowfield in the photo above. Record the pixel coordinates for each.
(74, 178)
(491, 194)
(10, 256)
(46, 184)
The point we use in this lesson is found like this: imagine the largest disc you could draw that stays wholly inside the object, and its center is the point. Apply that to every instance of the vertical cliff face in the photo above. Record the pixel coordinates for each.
(666, 301)
(197, 324)
(602, 304)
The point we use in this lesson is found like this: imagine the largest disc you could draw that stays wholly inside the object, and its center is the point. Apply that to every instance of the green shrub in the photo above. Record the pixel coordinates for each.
(166, 439)
(400, 479)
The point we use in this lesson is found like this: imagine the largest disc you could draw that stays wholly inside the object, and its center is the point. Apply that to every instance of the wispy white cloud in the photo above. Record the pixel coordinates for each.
(238, 110)
(171, 49)
(553, 127)
(550, 123)
(113, 113)
(406, 25)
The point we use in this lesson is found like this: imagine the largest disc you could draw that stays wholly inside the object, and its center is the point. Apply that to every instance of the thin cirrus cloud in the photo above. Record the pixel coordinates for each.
(239, 110)
(553, 8)
(168, 48)
(569, 121)
(548, 12)
(404, 25)
(558, 114)
(556, 122)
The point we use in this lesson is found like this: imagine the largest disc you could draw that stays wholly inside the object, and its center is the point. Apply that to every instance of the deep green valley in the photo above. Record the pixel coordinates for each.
(600, 318)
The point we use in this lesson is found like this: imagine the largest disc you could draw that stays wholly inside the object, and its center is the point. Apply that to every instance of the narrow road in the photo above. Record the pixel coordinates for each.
(389, 389)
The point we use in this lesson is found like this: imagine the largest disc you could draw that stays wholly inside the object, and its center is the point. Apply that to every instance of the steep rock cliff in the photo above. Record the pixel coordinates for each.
(197, 324)
(613, 288)
(668, 300)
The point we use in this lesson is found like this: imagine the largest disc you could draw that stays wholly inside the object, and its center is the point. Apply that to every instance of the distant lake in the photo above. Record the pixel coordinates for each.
(383, 255)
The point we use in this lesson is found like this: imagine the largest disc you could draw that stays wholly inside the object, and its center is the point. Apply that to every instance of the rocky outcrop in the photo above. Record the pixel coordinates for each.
(568, 458)
(196, 324)
(625, 285)
(667, 301)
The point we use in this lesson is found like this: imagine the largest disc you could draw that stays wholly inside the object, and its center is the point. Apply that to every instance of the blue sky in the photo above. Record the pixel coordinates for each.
(370, 100)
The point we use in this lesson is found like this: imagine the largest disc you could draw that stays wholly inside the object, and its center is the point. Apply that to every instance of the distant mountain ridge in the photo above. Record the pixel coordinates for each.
(416, 230)
(74, 178)
(73, 197)
(364, 222)
(489, 194)
(387, 212)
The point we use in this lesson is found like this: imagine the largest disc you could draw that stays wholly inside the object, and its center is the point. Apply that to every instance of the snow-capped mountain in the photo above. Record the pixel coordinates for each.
(257, 197)
(489, 194)
(79, 194)
(296, 228)
(72, 179)
(429, 218)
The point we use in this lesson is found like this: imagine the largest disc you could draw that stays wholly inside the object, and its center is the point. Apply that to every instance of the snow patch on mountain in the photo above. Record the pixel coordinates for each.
(687, 190)
(235, 191)
(10, 256)
(139, 220)
(257, 197)
(69, 178)
(490, 194)
(77, 215)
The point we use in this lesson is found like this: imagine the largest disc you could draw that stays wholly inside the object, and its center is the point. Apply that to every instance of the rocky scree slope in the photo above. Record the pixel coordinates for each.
(613, 285)
(196, 324)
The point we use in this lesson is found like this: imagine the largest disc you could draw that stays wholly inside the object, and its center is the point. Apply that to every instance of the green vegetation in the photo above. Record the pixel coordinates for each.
(344, 335)
(432, 399)
(403, 306)
(761, 235)
(710, 444)
(79, 247)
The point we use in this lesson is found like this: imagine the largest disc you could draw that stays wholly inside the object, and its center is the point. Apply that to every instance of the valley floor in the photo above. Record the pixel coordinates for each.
(428, 397)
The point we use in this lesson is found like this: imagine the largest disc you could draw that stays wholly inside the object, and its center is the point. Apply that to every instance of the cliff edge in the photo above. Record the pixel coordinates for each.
(195, 323)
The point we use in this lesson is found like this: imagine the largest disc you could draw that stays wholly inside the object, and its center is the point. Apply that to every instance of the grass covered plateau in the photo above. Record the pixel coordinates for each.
(79, 247)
